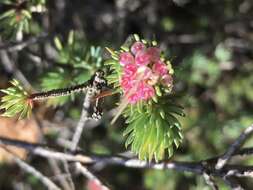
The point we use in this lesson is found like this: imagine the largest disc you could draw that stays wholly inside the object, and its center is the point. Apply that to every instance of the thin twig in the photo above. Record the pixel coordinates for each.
(232, 183)
(45, 180)
(42, 150)
(210, 181)
(237, 171)
(59, 92)
(194, 167)
(28, 168)
(234, 147)
(83, 119)
(53, 162)
(89, 175)
(10, 67)
(91, 92)
(200, 167)
(95, 85)
(57, 172)
(69, 177)
(17, 46)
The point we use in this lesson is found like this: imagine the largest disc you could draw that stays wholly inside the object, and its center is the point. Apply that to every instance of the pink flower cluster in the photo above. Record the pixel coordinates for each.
(142, 69)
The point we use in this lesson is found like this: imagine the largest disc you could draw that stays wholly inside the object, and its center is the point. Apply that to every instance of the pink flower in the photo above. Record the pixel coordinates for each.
(144, 72)
(167, 80)
(130, 70)
(137, 46)
(126, 58)
(143, 92)
(130, 89)
(126, 83)
(160, 68)
(135, 87)
(146, 91)
(134, 82)
(142, 58)
(154, 53)
(133, 99)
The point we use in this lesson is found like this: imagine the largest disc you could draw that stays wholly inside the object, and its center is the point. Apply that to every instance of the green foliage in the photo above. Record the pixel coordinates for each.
(236, 91)
(115, 71)
(158, 180)
(76, 63)
(56, 79)
(18, 18)
(205, 71)
(16, 102)
(225, 82)
(222, 53)
(167, 24)
(153, 128)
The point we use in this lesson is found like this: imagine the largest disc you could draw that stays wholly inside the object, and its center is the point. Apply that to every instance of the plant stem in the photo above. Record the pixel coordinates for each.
(96, 82)
(59, 92)
(222, 161)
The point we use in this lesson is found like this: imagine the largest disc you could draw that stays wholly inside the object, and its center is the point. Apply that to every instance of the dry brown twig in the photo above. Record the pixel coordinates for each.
(202, 167)
(30, 169)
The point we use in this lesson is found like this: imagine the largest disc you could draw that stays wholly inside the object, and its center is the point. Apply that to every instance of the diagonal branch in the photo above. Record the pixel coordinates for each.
(83, 119)
(95, 85)
(234, 147)
(90, 175)
(57, 172)
(45, 180)
(200, 168)
(234, 186)
(193, 167)
(17, 46)
(29, 169)
(232, 183)
(95, 88)
(10, 67)
(210, 181)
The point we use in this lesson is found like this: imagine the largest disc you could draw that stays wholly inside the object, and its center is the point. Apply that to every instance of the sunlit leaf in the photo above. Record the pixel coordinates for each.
(16, 102)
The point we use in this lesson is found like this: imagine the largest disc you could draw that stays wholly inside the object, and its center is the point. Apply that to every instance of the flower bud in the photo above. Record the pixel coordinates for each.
(160, 68)
(137, 46)
(167, 80)
(142, 58)
(154, 53)
(126, 58)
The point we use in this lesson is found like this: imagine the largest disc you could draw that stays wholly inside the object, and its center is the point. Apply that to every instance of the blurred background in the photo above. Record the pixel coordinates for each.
(210, 45)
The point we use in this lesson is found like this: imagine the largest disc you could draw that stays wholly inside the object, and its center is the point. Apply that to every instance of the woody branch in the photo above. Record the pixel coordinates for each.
(199, 167)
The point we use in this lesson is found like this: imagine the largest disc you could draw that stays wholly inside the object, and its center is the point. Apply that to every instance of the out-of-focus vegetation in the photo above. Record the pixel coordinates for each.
(75, 63)
(210, 43)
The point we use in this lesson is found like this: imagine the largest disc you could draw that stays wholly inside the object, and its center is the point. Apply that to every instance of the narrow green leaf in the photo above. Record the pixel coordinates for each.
(8, 14)
(71, 38)
(58, 43)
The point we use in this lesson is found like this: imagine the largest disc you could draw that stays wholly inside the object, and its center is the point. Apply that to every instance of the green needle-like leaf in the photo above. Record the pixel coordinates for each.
(76, 64)
(15, 101)
(154, 130)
